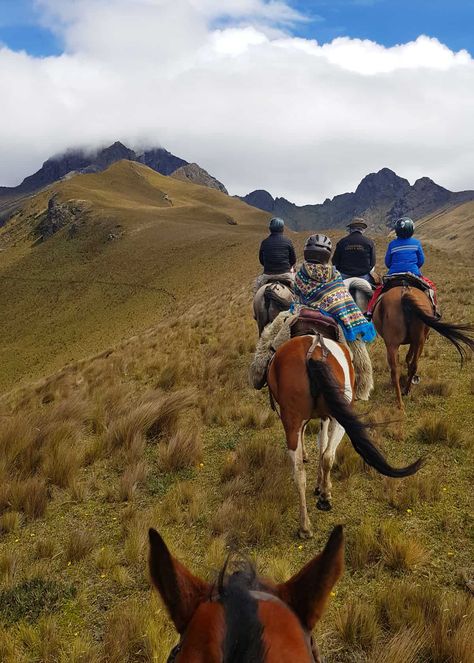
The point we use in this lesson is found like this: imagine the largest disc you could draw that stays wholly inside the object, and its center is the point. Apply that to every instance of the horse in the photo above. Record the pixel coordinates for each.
(242, 618)
(270, 300)
(404, 316)
(361, 291)
(313, 377)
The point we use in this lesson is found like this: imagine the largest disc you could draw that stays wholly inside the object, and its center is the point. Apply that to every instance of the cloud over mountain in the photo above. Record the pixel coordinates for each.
(236, 92)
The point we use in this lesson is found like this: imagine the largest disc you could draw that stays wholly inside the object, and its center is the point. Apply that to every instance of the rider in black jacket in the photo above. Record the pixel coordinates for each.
(277, 255)
(355, 254)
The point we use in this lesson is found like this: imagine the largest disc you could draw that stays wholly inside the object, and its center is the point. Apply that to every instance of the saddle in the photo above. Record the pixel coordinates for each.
(404, 279)
(278, 279)
(271, 295)
(310, 321)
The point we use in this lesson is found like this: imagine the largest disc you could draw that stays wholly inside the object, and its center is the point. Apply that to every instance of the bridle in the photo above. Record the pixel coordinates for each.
(258, 595)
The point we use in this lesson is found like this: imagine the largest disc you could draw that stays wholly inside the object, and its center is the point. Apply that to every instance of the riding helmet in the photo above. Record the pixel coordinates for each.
(404, 227)
(276, 225)
(318, 249)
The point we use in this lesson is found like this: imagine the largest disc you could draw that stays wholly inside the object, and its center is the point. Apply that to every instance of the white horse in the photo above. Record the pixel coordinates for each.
(361, 291)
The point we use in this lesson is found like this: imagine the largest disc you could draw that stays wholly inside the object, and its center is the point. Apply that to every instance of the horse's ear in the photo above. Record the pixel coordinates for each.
(180, 590)
(307, 592)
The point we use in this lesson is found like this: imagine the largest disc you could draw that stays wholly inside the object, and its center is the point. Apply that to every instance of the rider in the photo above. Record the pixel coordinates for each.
(355, 253)
(404, 255)
(277, 256)
(319, 285)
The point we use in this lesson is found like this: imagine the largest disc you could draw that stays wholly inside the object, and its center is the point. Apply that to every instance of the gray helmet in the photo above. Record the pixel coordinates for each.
(404, 227)
(276, 225)
(318, 249)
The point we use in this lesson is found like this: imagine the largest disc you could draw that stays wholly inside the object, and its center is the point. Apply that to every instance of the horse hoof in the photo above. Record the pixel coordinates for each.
(317, 491)
(305, 533)
(323, 504)
(416, 379)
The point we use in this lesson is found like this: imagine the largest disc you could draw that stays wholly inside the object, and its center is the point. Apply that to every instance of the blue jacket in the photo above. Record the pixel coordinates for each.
(404, 255)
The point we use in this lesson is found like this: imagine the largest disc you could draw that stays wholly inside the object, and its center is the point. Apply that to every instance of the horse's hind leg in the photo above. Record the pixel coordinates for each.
(336, 433)
(392, 358)
(294, 431)
(322, 444)
(413, 357)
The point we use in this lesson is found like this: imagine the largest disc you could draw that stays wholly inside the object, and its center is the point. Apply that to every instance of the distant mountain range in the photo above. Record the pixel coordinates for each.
(74, 162)
(380, 198)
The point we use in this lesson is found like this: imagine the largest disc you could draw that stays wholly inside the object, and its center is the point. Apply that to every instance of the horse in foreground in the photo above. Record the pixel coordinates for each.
(404, 316)
(313, 377)
(242, 618)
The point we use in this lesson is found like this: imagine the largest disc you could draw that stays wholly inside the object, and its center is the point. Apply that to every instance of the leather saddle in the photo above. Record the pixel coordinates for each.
(404, 279)
(278, 279)
(311, 321)
(271, 295)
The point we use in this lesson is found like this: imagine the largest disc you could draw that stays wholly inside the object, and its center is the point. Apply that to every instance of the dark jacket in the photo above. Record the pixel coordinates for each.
(277, 254)
(354, 255)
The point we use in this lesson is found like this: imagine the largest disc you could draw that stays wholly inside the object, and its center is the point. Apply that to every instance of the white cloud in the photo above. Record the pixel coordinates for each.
(255, 106)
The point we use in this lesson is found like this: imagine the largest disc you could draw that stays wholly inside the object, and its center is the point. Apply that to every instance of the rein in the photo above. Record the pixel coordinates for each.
(258, 595)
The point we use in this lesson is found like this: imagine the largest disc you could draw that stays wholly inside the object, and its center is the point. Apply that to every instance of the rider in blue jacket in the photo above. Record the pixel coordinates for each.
(404, 255)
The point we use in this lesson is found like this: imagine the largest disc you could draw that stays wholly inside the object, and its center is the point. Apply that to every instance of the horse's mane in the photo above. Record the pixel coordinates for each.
(243, 641)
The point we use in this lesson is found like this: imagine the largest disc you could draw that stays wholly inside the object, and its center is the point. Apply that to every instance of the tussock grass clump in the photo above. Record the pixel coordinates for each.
(347, 462)
(437, 388)
(44, 548)
(182, 504)
(133, 476)
(105, 558)
(154, 415)
(434, 430)
(129, 634)
(386, 544)
(29, 496)
(79, 544)
(357, 625)
(409, 492)
(399, 551)
(256, 467)
(9, 522)
(8, 566)
(181, 450)
(43, 643)
(404, 647)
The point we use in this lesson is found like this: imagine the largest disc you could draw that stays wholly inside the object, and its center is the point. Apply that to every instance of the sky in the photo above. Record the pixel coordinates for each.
(300, 98)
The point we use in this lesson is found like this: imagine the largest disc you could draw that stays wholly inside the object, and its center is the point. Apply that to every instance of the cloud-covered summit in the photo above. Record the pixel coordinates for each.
(236, 92)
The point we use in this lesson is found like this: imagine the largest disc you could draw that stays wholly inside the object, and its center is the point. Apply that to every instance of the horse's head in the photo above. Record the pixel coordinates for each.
(242, 618)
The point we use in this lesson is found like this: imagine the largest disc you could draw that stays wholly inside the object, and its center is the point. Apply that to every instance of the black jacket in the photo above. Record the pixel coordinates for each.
(277, 254)
(354, 254)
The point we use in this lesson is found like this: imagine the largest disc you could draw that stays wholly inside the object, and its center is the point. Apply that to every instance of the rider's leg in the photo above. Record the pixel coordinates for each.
(375, 296)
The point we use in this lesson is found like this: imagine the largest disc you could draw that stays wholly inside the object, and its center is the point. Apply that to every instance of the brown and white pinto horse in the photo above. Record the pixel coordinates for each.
(312, 377)
(243, 619)
(404, 316)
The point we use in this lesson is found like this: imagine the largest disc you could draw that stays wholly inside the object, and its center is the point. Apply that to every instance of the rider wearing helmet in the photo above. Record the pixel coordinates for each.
(355, 253)
(404, 255)
(277, 256)
(319, 285)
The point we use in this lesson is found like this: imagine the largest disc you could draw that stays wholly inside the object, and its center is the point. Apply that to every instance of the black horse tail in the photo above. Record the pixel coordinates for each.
(324, 384)
(459, 335)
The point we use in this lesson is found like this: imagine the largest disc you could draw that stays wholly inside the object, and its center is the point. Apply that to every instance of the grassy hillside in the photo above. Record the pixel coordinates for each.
(450, 229)
(142, 246)
(161, 428)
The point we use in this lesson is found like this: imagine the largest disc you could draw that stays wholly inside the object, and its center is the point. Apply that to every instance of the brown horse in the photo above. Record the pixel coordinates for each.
(404, 316)
(242, 619)
(312, 377)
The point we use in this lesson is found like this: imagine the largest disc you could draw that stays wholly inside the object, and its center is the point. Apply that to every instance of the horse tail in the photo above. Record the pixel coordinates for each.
(459, 335)
(323, 383)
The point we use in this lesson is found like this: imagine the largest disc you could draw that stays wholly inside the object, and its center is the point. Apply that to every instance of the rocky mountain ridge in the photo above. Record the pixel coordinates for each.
(380, 198)
(74, 162)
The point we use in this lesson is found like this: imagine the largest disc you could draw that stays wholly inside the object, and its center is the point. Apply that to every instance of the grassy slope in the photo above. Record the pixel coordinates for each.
(67, 298)
(240, 490)
(453, 228)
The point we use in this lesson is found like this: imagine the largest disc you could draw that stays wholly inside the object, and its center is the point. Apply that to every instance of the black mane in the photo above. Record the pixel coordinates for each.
(243, 641)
